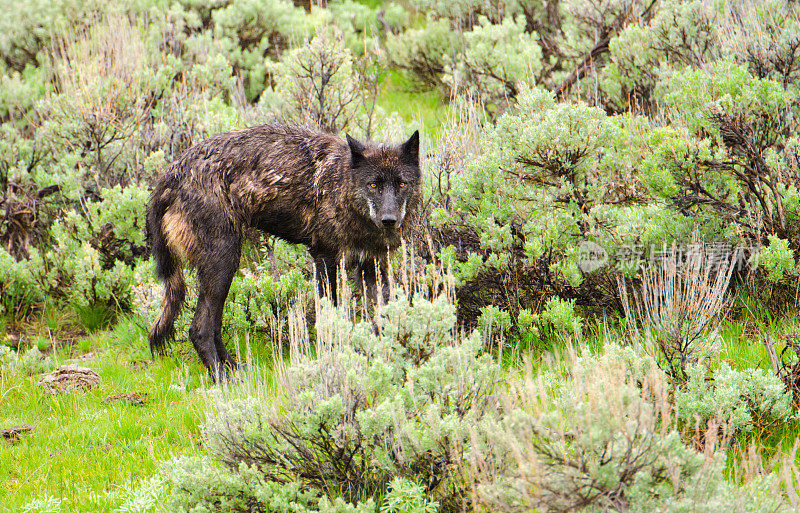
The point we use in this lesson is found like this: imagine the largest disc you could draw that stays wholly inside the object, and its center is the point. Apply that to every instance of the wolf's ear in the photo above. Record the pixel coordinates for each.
(410, 149)
(356, 150)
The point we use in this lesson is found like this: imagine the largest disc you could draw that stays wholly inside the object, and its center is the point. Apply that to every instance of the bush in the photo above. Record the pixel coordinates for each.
(260, 298)
(29, 363)
(81, 268)
(777, 259)
(601, 440)
(357, 415)
(20, 291)
(560, 315)
(550, 176)
(495, 62)
(321, 85)
(423, 52)
(738, 401)
(644, 55)
(201, 485)
(494, 322)
(251, 30)
(407, 497)
(735, 120)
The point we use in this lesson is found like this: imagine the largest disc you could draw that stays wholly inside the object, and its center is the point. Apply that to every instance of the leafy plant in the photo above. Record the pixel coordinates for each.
(738, 400)
(601, 439)
(360, 413)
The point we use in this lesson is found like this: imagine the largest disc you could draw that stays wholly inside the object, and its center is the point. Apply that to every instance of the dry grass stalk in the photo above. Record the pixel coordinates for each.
(681, 299)
(103, 67)
(765, 38)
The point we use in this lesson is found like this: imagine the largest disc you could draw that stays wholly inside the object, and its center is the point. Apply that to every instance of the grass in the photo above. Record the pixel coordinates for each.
(95, 318)
(428, 108)
(87, 452)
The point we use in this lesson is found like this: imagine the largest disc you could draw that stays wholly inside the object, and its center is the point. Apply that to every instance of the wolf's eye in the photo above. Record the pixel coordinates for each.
(373, 185)
(402, 184)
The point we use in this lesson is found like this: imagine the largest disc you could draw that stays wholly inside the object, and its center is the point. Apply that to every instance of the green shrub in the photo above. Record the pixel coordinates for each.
(407, 497)
(262, 294)
(261, 302)
(320, 85)
(600, 439)
(423, 52)
(494, 321)
(549, 178)
(734, 120)
(253, 29)
(19, 289)
(29, 363)
(366, 27)
(496, 59)
(644, 55)
(201, 485)
(7, 358)
(75, 269)
(359, 413)
(142, 497)
(777, 259)
(44, 503)
(560, 314)
(739, 400)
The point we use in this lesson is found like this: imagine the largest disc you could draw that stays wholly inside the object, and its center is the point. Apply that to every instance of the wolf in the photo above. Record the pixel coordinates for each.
(345, 200)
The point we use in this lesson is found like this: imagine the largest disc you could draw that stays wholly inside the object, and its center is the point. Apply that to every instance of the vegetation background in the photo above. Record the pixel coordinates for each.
(508, 375)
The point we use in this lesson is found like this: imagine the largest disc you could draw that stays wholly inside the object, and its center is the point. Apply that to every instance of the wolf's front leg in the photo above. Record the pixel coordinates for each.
(371, 274)
(325, 266)
(386, 290)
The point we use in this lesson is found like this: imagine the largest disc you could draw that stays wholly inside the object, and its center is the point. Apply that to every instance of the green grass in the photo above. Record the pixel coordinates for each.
(428, 108)
(87, 452)
(94, 318)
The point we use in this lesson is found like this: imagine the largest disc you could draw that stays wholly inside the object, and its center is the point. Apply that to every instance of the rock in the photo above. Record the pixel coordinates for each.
(133, 397)
(14, 432)
(71, 377)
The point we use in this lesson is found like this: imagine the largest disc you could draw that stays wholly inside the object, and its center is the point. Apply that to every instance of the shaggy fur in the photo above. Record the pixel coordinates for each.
(343, 199)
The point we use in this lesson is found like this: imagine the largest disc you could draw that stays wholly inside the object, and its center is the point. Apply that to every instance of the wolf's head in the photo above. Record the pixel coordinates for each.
(388, 179)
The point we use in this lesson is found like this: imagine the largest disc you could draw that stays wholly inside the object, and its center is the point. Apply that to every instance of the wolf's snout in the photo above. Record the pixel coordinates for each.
(389, 221)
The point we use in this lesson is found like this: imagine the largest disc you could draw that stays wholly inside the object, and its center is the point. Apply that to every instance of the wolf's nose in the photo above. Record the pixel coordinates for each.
(389, 221)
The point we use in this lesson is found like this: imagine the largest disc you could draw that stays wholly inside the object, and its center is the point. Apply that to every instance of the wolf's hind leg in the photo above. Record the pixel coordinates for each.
(201, 333)
(223, 287)
(214, 278)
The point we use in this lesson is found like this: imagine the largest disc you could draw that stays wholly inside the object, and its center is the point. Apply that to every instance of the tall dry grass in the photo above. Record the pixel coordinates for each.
(678, 304)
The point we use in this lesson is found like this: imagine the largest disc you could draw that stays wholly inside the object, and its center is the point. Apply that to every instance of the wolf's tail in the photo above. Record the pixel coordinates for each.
(168, 269)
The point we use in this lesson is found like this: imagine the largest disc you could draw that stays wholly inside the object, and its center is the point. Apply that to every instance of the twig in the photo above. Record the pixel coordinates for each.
(773, 357)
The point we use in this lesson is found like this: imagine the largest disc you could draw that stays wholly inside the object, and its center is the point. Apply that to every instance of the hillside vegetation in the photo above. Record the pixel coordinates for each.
(597, 309)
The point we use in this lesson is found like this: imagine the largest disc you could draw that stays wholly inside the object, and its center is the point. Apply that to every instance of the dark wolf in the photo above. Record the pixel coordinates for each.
(343, 199)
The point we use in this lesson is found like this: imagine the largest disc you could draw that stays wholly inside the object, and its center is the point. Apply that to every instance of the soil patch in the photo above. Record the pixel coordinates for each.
(132, 397)
(13, 433)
